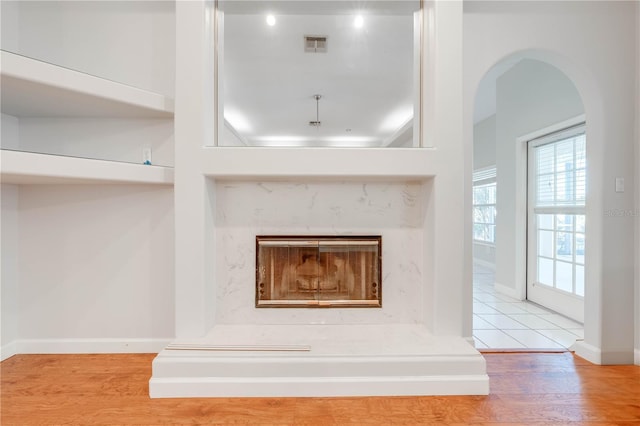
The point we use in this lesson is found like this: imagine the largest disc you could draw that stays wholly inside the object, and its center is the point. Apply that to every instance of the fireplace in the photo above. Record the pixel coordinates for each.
(318, 271)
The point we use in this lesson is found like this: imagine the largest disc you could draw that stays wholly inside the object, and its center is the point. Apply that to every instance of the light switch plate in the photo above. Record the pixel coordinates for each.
(619, 184)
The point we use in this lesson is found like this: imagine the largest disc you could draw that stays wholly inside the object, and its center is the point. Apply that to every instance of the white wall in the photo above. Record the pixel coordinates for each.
(593, 43)
(637, 258)
(484, 143)
(131, 42)
(530, 96)
(95, 262)
(100, 138)
(10, 132)
(9, 237)
(9, 25)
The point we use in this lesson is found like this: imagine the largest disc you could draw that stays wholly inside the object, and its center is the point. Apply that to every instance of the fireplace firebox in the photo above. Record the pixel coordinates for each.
(318, 271)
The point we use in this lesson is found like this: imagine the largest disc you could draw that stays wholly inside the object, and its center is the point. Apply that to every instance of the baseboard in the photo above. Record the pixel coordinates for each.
(8, 350)
(90, 346)
(597, 356)
(588, 352)
(507, 291)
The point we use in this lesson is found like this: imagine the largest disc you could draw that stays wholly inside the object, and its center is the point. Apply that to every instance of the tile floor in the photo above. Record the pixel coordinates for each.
(500, 322)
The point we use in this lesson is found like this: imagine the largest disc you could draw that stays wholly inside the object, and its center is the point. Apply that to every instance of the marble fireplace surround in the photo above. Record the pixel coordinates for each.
(320, 352)
(394, 210)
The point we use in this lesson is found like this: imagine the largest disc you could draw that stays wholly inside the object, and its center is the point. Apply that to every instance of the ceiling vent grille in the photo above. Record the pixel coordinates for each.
(315, 44)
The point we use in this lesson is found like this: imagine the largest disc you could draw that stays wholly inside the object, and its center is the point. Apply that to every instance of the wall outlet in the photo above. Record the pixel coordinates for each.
(146, 155)
(619, 184)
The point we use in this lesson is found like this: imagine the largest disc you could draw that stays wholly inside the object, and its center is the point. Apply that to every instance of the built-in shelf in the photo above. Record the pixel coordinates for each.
(32, 88)
(18, 167)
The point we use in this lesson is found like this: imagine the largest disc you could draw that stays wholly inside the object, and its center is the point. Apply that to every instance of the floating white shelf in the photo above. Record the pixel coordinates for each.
(18, 167)
(32, 88)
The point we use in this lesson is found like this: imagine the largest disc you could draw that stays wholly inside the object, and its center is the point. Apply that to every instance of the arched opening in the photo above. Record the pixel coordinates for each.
(529, 206)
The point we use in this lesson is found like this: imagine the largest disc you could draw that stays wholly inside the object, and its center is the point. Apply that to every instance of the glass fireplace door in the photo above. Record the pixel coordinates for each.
(318, 271)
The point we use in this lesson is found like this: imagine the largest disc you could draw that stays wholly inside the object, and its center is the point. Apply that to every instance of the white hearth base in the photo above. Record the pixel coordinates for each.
(341, 360)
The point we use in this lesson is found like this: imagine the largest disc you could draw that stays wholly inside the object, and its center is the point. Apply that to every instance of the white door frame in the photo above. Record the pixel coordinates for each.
(521, 196)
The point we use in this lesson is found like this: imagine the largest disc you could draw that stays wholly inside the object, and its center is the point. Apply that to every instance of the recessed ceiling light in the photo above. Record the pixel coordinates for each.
(271, 20)
(358, 22)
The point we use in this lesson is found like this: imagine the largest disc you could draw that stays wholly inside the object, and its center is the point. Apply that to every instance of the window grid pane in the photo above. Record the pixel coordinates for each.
(560, 183)
(484, 211)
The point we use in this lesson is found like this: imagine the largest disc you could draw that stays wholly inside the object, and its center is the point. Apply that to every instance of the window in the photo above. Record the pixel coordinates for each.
(484, 205)
(557, 205)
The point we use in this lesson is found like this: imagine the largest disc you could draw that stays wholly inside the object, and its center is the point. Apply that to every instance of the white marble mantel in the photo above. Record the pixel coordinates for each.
(394, 210)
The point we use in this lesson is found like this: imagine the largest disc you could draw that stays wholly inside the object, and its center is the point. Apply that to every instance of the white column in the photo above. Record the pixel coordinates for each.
(194, 199)
(448, 298)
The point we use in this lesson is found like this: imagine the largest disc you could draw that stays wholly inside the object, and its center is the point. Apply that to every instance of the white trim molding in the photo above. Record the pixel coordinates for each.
(597, 356)
(92, 346)
(588, 352)
(8, 350)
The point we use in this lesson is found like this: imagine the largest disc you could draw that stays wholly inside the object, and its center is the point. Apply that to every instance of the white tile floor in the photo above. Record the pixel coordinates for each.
(500, 322)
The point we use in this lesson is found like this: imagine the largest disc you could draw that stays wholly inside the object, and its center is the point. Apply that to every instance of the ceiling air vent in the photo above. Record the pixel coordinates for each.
(315, 44)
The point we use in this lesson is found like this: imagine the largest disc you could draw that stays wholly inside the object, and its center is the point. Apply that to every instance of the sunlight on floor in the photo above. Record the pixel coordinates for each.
(501, 322)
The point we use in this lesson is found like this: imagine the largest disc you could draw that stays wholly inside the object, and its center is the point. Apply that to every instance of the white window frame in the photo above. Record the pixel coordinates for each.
(484, 177)
(567, 303)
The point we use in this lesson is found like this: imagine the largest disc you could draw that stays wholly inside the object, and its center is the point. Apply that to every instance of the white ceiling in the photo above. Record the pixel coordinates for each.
(365, 78)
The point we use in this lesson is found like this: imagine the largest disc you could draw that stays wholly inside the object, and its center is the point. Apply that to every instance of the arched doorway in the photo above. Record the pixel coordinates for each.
(523, 103)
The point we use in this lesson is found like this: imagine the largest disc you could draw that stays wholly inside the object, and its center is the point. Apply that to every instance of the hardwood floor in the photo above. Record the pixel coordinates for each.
(526, 388)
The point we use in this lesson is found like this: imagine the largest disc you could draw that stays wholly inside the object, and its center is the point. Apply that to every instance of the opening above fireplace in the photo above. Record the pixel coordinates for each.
(318, 271)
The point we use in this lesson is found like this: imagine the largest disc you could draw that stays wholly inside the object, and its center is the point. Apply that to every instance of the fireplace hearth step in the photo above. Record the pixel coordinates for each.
(342, 360)
(236, 348)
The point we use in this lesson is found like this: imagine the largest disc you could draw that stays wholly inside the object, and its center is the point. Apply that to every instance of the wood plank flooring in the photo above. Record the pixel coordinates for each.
(526, 388)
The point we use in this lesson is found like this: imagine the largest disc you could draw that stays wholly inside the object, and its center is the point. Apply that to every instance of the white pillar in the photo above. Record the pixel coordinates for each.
(194, 200)
(449, 307)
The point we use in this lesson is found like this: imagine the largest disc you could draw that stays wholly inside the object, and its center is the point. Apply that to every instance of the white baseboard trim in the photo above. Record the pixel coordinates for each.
(597, 356)
(485, 264)
(588, 352)
(90, 346)
(8, 350)
(507, 291)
